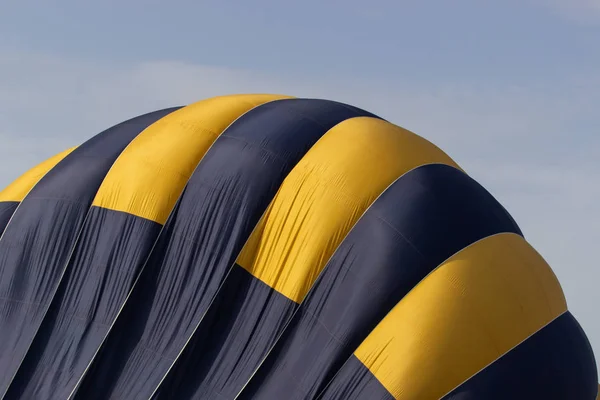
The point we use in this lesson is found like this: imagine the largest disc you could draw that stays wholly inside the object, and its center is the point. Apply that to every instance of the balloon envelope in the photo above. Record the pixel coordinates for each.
(270, 247)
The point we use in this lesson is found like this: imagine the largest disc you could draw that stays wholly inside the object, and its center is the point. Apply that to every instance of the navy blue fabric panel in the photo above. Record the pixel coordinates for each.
(223, 201)
(38, 241)
(424, 218)
(288, 128)
(354, 381)
(7, 208)
(111, 250)
(219, 360)
(555, 363)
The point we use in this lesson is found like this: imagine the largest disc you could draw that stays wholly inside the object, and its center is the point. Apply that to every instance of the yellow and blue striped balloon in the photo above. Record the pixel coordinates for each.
(269, 247)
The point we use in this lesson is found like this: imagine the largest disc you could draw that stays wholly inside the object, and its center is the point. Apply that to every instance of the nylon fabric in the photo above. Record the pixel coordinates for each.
(555, 363)
(112, 247)
(316, 206)
(424, 218)
(215, 366)
(18, 189)
(224, 199)
(7, 208)
(149, 177)
(325, 195)
(261, 246)
(140, 189)
(468, 312)
(13, 194)
(37, 243)
(354, 381)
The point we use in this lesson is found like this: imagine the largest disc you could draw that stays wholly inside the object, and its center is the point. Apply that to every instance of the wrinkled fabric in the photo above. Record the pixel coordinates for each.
(422, 219)
(37, 244)
(223, 201)
(266, 247)
(545, 366)
(244, 321)
(317, 205)
(113, 247)
(130, 207)
(7, 208)
(353, 381)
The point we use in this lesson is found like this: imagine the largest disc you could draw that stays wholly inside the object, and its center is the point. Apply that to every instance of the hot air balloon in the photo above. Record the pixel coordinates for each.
(272, 247)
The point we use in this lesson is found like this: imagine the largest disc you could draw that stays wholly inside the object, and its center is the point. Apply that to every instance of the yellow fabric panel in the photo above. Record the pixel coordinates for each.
(466, 314)
(324, 195)
(598, 396)
(19, 188)
(149, 176)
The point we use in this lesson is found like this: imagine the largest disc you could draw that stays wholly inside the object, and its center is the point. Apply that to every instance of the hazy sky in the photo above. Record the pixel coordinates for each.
(510, 89)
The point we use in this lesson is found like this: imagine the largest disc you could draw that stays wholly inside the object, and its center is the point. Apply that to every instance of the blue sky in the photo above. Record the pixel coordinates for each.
(510, 89)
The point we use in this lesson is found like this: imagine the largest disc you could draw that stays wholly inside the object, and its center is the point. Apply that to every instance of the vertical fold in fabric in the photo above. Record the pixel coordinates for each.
(224, 199)
(127, 214)
(37, 243)
(317, 205)
(425, 217)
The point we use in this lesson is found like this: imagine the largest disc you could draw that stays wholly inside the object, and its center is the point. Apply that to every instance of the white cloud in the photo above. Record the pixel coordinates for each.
(526, 145)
